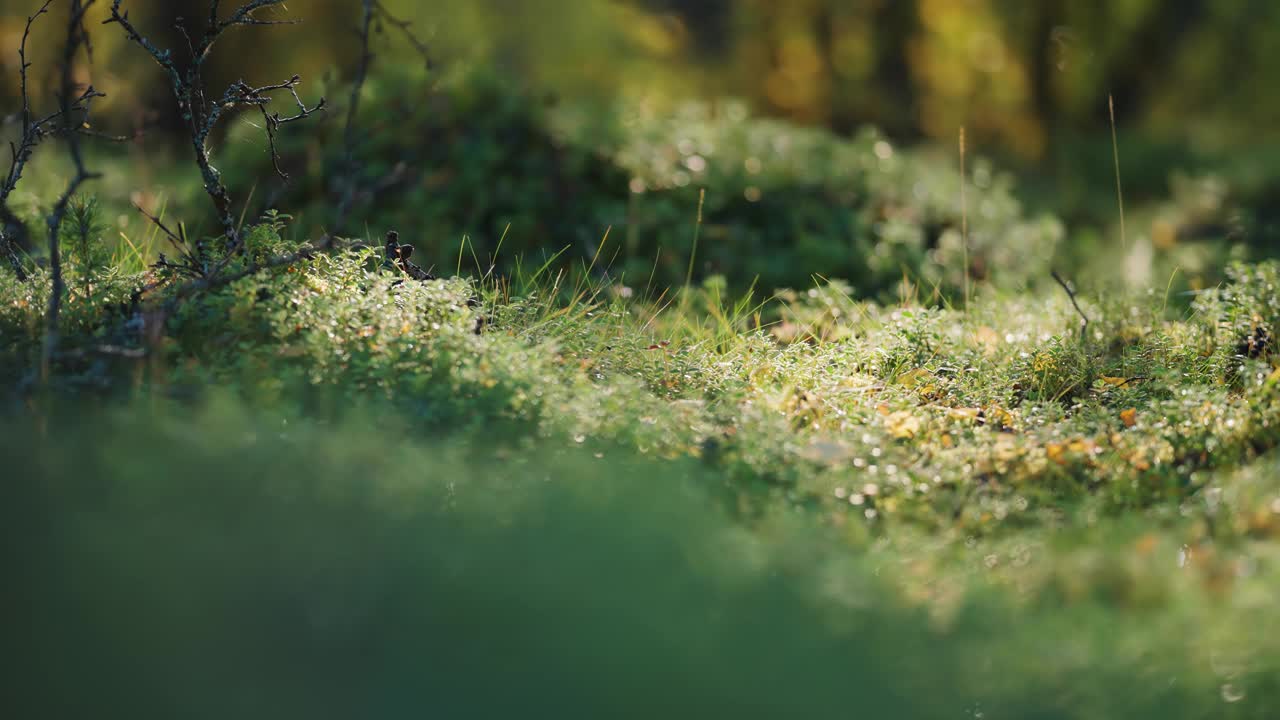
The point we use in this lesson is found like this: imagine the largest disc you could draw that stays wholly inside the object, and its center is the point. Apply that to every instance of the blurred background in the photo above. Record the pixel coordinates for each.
(1029, 81)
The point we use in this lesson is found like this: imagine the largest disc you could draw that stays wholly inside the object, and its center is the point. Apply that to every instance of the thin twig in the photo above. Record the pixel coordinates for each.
(13, 232)
(1071, 294)
(77, 38)
(241, 94)
(406, 28)
(216, 280)
(372, 12)
(174, 239)
(30, 136)
(202, 116)
(362, 72)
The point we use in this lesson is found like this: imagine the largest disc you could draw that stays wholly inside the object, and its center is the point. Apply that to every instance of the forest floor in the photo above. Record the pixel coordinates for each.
(1044, 504)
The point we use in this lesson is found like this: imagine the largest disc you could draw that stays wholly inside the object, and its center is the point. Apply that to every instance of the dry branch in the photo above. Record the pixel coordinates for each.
(202, 116)
(77, 38)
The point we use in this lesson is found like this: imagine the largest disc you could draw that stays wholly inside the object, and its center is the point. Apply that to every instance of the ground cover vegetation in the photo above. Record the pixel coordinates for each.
(686, 399)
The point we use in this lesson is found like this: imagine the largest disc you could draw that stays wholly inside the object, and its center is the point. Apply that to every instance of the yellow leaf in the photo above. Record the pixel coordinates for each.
(1129, 417)
(1114, 381)
(1082, 446)
(911, 378)
(1001, 417)
(902, 425)
(969, 414)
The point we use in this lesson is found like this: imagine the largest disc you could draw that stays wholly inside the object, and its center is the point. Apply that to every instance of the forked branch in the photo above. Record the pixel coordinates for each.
(202, 116)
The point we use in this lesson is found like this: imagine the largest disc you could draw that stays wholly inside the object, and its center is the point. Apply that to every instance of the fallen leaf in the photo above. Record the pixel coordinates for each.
(902, 425)
(966, 414)
(1129, 417)
(911, 378)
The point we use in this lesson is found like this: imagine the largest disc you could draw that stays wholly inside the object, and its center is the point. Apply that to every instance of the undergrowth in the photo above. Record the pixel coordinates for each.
(640, 332)
(860, 414)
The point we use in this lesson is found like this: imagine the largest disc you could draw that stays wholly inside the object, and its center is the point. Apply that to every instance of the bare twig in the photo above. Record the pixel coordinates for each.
(372, 13)
(202, 116)
(217, 279)
(350, 166)
(30, 133)
(242, 95)
(362, 73)
(77, 38)
(406, 28)
(12, 232)
(177, 239)
(33, 130)
(1071, 294)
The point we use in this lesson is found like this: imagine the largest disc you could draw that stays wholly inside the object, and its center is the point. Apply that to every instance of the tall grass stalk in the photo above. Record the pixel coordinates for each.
(697, 230)
(1115, 154)
(964, 218)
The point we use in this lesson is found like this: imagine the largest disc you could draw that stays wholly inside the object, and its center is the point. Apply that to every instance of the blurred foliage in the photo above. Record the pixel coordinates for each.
(482, 172)
(981, 417)
(1011, 70)
(622, 489)
(212, 562)
(1029, 81)
(1014, 72)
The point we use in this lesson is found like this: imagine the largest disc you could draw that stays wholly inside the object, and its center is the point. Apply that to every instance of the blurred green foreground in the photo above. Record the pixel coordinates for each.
(170, 564)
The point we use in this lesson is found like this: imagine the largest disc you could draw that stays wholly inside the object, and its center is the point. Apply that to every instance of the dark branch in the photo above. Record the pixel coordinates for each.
(1071, 294)
(203, 117)
(77, 38)
(242, 95)
(373, 11)
(179, 243)
(217, 279)
(35, 130)
(30, 131)
(242, 16)
(406, 28)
